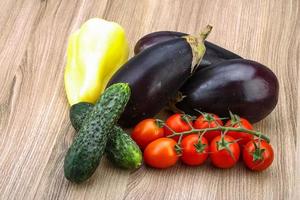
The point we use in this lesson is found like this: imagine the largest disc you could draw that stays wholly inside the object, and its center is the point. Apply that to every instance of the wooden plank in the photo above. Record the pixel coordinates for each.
(35, 128)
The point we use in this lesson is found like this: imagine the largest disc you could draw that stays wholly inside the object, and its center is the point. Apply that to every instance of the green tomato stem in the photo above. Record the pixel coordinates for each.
(225, 129)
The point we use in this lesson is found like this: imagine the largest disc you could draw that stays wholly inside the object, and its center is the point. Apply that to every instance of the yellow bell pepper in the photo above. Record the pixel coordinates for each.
(94, 53)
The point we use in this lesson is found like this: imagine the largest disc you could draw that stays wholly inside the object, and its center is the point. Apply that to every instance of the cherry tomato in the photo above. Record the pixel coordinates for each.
(161, 153)
(244, 137)
(258, 157)
(208, 121)
(176, 123)
(194, 152)
(146, 131)
(220, 156)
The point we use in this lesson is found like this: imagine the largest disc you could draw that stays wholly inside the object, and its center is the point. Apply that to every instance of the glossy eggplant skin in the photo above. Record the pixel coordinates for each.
(213, 55)
(154, 76)
(154, 38)
(244, 87)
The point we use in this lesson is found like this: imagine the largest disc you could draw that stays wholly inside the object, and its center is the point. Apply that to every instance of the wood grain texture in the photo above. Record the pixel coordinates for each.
(35, 130)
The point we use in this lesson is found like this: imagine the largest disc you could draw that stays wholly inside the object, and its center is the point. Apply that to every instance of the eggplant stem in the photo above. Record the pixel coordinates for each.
(197, 46)
(172, 107)
(205, 32)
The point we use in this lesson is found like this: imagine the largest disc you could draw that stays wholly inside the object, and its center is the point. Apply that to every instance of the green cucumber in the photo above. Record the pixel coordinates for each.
(85, 153)
(121, 149)
(78, 112)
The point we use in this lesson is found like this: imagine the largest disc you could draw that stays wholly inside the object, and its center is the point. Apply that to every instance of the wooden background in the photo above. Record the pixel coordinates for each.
(35, 130)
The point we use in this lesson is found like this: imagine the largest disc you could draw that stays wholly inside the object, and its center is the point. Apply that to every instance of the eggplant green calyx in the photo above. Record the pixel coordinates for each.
(197, 45)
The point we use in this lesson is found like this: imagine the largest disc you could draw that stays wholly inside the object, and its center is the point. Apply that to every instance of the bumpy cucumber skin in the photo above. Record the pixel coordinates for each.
(121, 150)
(78, 112)
(85, 153)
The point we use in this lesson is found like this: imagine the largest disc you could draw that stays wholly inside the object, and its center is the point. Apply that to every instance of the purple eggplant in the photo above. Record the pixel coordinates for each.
(156, 74)
(214, 53)
(244, 87)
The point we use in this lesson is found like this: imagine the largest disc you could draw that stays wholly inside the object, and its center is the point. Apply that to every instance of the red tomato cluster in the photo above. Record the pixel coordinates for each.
(161, 150)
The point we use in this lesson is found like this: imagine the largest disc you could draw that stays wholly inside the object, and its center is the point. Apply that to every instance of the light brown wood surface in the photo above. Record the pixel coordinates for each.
(35, 130)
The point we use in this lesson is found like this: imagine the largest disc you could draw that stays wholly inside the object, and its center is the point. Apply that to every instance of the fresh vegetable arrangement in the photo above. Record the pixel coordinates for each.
(190, 145)
(202, 83)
